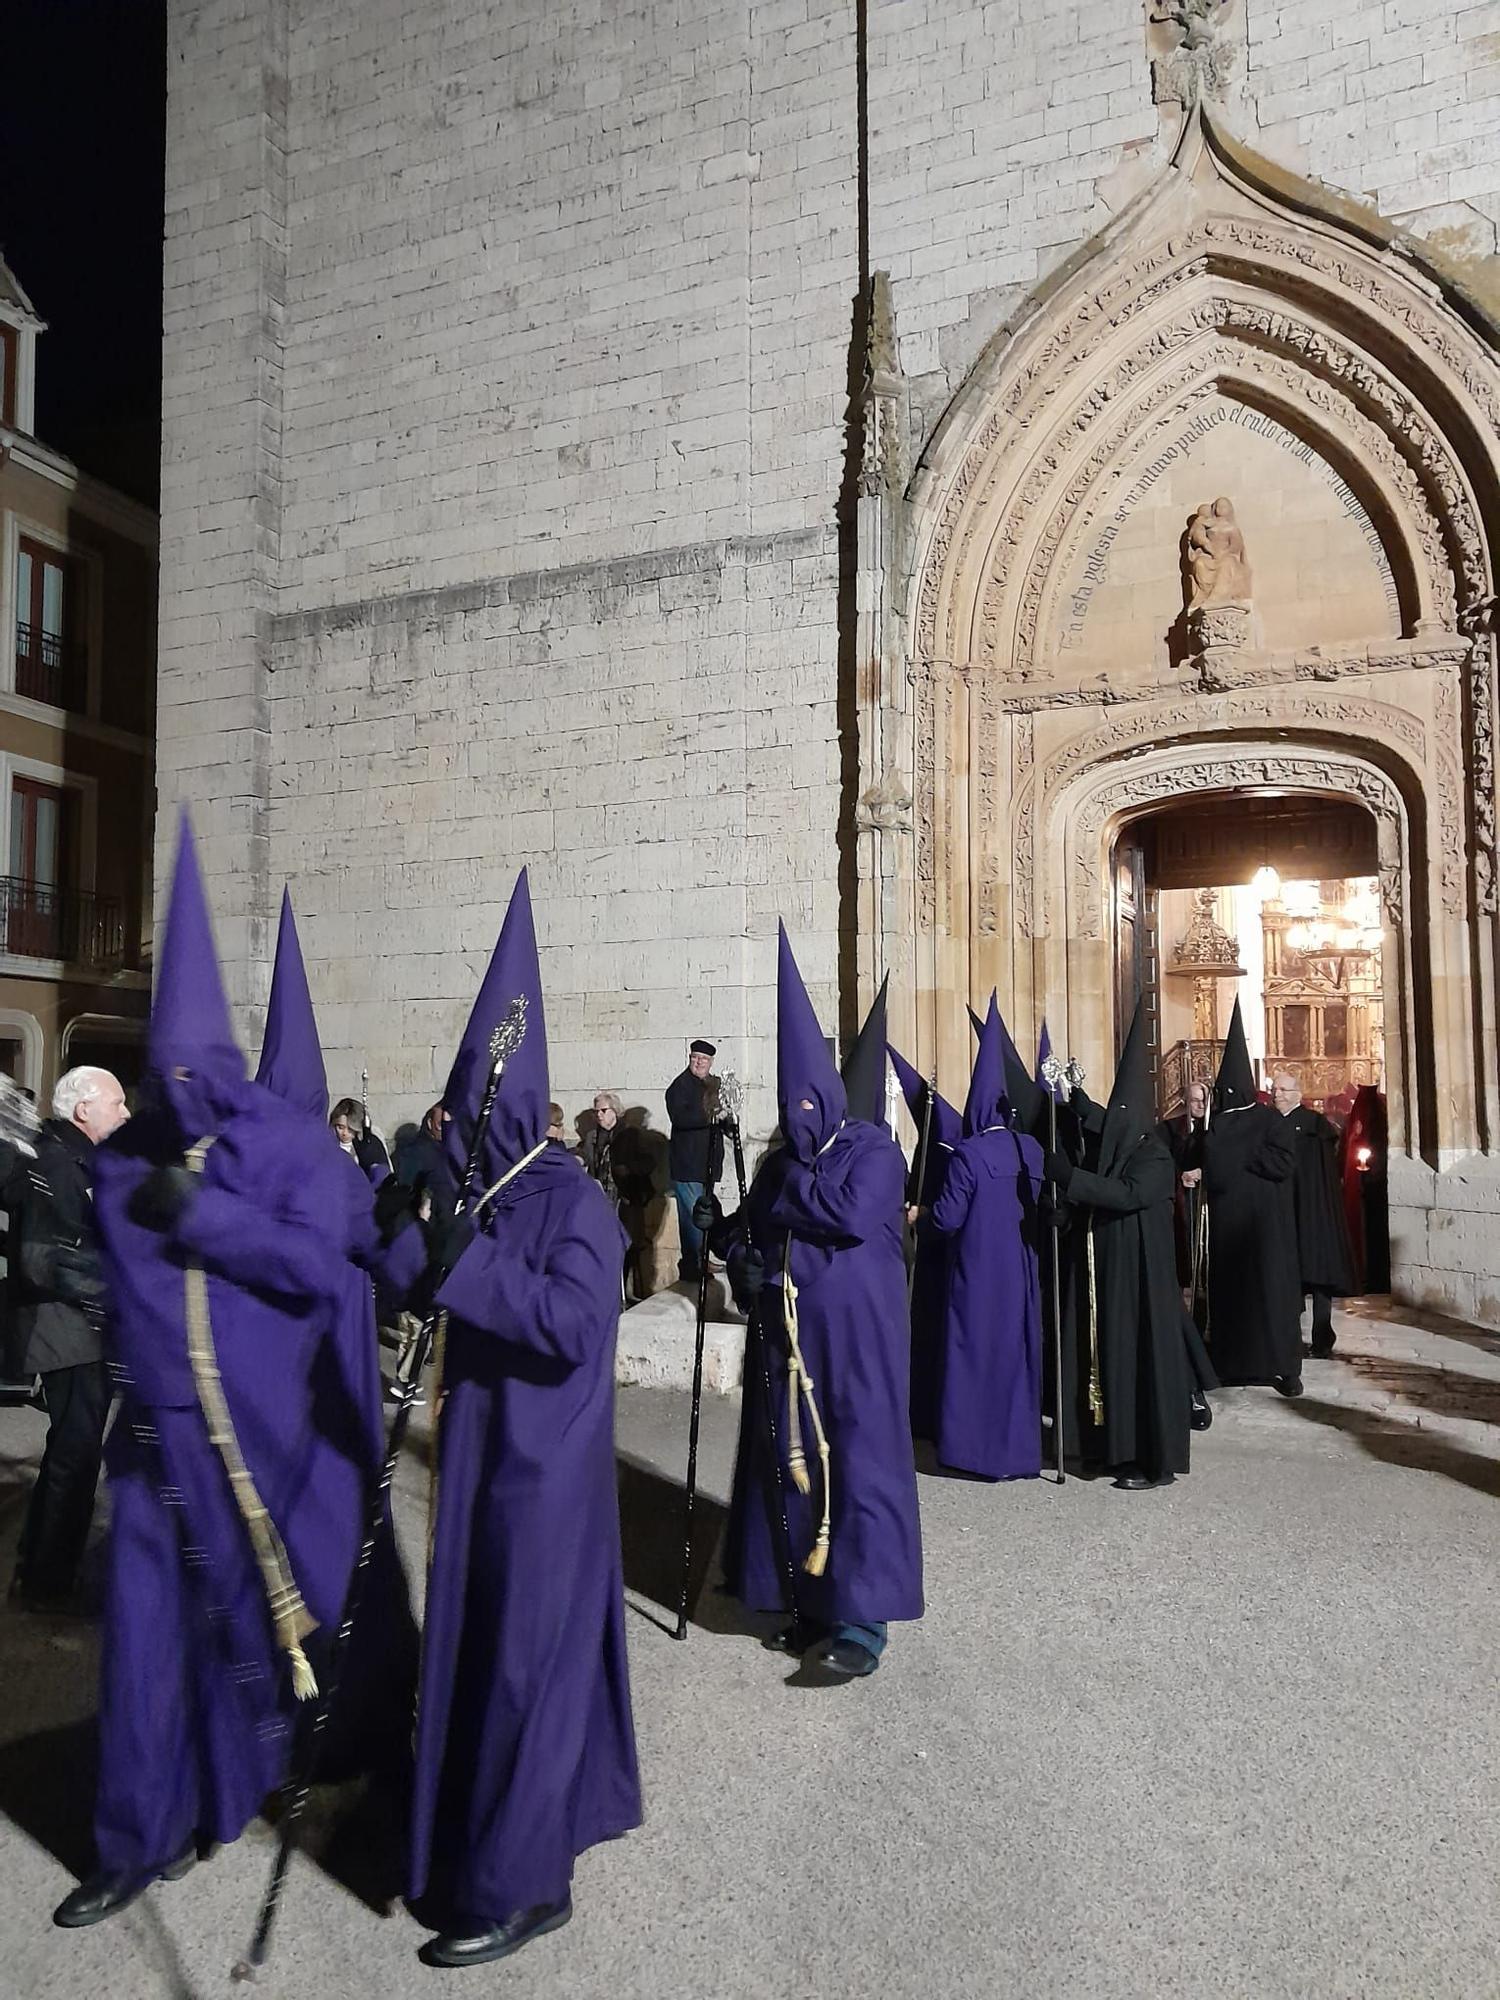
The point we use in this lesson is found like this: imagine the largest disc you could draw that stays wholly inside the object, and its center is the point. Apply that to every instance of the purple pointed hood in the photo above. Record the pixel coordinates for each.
(291, 1060)
(804, 1066)
(947, 1124)
(519, 1120)
(987, 1104)
(192, 1055)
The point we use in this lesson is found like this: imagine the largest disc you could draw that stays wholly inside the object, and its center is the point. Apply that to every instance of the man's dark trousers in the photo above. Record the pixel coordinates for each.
(62, 1501)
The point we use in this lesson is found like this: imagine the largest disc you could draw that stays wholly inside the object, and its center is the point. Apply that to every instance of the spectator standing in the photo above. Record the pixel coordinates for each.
(421, 1162)
(348, 1121)
(696, 1156)
(60, 1297)
(598, 1149)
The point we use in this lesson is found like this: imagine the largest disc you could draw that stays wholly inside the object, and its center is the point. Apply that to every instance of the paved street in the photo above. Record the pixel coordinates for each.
(1237, 1738)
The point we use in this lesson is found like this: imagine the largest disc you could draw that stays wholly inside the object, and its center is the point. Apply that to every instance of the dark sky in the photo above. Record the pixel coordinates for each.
(81, 133)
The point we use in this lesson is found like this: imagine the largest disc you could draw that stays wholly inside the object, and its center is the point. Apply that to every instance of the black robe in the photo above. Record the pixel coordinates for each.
(1325, 1256)
(1144, 1367)
(1254, 1287)
(928, 1282)
(1183, 1139)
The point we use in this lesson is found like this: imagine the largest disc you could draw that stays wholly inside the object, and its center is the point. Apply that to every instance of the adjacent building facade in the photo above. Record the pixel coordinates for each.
(77, 744)
(878, 467)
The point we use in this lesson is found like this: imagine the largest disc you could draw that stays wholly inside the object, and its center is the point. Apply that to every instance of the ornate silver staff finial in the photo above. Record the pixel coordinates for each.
(731, 1098)
(1053, 1070)
(510, 1034)
(1074, 1073)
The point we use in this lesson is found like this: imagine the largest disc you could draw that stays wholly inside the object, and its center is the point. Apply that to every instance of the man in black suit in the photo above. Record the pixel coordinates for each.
(696, 1155)
(59, 1293)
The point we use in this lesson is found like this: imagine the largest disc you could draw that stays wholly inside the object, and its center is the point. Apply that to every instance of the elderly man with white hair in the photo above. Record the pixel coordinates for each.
(60, 1294)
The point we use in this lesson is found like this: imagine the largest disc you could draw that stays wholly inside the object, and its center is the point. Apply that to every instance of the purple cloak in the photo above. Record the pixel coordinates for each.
(195, 1704)
(834, 1194)
(195, 1699)
(989, 1403)
(371, 1720)
(525, 1743)
(989, 1416)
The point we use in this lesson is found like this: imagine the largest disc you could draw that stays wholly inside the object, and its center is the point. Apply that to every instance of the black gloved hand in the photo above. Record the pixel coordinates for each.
(77, 1276)
(749, 1272)
(448, 1236)
(164, 1197)
(1058, 1168)
(395, 1209)
(706, 1212)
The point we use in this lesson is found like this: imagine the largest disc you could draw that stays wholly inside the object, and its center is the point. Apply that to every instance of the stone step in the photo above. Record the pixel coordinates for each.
(657, 1339)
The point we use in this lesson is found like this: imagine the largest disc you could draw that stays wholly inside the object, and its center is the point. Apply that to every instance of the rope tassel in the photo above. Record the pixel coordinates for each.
(796, 1454)
(1096, 1385)
(817, 1559)
(289, 1615)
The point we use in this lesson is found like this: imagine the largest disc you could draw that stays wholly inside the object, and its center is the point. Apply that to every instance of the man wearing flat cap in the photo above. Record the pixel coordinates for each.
(696, 1155)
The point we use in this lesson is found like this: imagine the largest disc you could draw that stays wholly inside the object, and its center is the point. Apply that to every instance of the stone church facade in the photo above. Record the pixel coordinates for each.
(753, 460)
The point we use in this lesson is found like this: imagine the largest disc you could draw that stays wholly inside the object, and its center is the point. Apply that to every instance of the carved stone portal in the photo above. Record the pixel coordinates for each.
(1074, 657)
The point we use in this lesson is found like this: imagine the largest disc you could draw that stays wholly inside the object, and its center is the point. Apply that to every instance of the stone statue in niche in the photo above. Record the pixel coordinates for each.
(1217, 566)
(1219, 617)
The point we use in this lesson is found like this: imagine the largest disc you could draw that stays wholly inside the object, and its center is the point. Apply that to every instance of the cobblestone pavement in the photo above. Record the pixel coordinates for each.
(1235, 1738)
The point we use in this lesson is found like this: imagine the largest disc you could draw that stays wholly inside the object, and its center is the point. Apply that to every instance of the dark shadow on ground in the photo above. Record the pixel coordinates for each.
(1381, 1307)
(651, 1541)
(1450, 1391)
(1398, 1444)
(47, 1787)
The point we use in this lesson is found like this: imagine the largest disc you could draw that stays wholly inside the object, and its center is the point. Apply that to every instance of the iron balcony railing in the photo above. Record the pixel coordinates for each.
(66, 924)
(49, 668)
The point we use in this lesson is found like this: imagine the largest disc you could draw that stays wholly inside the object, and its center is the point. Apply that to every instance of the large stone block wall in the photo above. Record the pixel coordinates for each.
(1003, 136)
(509, 362)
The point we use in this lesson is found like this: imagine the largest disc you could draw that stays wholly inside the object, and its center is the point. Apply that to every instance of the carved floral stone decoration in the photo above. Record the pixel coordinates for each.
(1192, 53)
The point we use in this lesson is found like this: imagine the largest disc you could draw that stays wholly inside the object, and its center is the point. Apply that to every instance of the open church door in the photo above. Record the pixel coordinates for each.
(1136, 949)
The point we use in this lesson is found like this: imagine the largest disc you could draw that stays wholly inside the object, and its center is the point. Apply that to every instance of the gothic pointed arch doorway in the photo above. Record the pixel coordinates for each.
(1211, 516)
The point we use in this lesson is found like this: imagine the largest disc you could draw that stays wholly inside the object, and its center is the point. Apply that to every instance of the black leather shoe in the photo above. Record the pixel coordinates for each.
(846, 1660)
(1200, 1411)
(107, 1893)
(1288, 1385)
(1322, 1344)
(483, 1947)
(1133, 1480)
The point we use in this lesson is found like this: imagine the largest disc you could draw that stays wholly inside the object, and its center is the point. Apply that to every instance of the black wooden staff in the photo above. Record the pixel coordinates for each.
(506, 1039)
(921, 1183)
(1052, 1073)
(690, 1491)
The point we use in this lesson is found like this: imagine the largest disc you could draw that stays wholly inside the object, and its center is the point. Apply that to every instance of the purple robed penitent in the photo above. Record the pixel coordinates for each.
(195, 1700)
(833, 1194)
(990, 1387)
(525, 1744)
(372, 1718)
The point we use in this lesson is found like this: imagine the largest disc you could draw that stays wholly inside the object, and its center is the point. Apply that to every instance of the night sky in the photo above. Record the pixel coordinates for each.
(81, 132)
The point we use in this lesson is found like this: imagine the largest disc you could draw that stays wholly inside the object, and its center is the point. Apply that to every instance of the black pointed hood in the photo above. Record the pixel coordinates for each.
(1131, 1110)
(864, 1064)
(1234, 1087)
